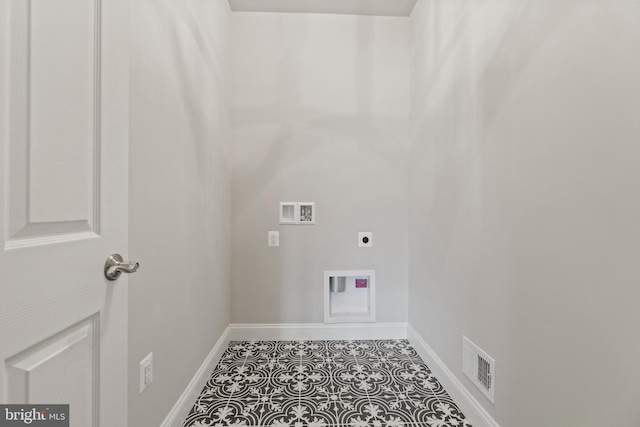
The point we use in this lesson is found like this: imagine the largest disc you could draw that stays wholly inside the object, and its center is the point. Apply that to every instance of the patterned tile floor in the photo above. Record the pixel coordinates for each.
(377, 383)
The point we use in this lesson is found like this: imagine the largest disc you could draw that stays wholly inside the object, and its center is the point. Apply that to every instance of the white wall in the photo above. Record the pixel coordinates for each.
(180, 194)
(320, 113)
(525, 210)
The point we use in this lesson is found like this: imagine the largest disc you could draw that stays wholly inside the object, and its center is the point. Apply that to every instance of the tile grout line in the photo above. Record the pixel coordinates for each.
(246, 356)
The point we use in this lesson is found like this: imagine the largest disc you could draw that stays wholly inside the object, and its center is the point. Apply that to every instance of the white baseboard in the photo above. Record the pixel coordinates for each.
(318, 331)
(181, 409)
(472, 409)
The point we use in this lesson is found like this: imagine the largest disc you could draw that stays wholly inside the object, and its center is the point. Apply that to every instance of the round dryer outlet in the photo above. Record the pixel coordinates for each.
(365, 239)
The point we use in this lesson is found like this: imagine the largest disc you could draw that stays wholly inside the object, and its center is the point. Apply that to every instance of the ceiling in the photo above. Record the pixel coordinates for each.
(349, 7)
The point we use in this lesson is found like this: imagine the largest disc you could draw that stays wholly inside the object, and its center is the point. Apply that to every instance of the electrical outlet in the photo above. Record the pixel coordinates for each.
(146, 372)
(274, 238)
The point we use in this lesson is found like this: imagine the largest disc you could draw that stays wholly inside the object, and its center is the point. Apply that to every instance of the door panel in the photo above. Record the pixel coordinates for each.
(62, 369)
(54, 122)
(64, 206)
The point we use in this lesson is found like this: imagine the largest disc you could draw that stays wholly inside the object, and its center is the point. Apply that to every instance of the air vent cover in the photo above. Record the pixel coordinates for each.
(484, 373)
(479, 367)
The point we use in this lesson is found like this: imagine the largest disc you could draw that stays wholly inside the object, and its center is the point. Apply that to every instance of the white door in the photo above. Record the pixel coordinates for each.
(63, 206)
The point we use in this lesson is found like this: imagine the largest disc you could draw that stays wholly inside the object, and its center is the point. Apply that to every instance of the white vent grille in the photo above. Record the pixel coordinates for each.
(484, 373)
(479, 367)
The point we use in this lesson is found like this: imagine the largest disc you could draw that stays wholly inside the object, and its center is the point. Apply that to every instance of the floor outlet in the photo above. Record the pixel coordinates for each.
(146, 372)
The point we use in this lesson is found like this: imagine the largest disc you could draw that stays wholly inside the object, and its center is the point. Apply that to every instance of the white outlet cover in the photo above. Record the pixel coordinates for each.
(274, 238)
(365, 239)
(144, 363)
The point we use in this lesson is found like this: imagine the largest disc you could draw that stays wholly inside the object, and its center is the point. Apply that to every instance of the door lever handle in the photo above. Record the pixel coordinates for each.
(115, 266)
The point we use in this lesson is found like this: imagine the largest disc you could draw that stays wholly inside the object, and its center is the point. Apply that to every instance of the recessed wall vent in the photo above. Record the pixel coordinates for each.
(479, 367)
(484, 373)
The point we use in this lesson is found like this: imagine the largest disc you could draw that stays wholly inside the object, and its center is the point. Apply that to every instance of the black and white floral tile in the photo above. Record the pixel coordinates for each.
(368, 383)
